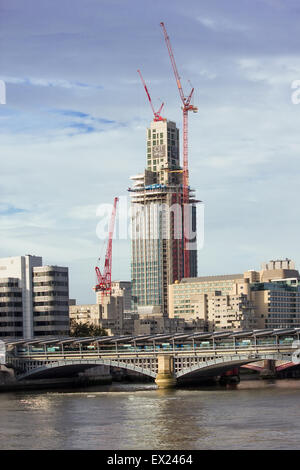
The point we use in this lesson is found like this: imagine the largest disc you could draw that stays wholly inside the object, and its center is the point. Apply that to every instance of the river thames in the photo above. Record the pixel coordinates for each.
(254, 414)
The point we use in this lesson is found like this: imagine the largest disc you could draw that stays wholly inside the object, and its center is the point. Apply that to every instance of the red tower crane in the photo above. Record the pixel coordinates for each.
(186, 107)
(104, 280)
(157, 116)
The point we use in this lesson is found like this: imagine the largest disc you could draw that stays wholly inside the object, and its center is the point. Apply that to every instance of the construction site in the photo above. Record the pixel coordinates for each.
(163, 220)
(165, 294)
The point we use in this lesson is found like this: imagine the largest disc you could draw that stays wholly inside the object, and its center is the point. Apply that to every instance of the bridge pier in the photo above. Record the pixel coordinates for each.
(165, 377)
(230, 377)
(269, 369)
(7, 375)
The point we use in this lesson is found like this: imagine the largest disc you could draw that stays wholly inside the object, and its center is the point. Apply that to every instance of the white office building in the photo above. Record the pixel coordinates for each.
(34, 299)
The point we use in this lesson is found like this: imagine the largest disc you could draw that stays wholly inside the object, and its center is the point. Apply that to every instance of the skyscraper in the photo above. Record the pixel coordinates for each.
(159, 219)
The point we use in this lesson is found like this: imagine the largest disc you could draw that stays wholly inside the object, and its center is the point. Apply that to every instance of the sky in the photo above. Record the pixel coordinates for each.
(73, 129)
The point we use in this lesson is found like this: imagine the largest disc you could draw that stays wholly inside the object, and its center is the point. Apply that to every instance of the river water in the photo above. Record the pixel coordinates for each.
(251, 415)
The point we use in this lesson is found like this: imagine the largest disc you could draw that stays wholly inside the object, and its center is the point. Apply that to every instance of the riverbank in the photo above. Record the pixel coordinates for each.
(49, 384)
(99, 375)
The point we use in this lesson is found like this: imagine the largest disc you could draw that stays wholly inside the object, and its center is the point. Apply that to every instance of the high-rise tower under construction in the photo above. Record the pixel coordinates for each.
(160, 220)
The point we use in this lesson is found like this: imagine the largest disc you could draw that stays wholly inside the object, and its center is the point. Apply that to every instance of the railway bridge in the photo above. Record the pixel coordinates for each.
(164, 357)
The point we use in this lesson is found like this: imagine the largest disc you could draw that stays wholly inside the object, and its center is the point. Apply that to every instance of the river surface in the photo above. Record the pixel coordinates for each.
(251, 415)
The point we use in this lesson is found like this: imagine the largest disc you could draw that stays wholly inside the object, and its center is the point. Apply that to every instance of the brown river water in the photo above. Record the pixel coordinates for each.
(254, 414)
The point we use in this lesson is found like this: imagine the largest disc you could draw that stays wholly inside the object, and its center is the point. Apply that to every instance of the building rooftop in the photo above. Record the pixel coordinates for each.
(211, 278)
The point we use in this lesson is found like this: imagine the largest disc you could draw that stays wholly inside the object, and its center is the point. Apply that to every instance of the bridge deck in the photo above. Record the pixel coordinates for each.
(188, 352)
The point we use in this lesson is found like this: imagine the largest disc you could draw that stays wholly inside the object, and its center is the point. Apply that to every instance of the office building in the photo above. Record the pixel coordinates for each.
(234, 301)
(218, 301)
(11, 308)
(50, 300)
(33, 298)
(278, 303)
(108, 315)
(157, 257)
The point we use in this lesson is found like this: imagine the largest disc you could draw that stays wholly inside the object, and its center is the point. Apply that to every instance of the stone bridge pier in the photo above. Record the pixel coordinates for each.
(165, 376)
(7, 375)
(269, 369)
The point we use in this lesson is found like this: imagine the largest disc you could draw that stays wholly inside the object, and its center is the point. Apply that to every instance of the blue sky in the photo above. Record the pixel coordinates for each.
(73, 129)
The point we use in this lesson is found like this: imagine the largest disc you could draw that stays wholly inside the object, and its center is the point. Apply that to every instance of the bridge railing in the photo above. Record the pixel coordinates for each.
(58, 353)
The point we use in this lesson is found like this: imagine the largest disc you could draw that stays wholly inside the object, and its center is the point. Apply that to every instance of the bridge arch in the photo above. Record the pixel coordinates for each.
(222, 364)
(58, 368)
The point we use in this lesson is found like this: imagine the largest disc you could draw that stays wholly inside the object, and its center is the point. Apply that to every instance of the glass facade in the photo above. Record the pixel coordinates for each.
(157, 257)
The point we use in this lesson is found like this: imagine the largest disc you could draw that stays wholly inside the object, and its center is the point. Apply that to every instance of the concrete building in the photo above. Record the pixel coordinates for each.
(86, 313)
(275, 295)
(20, 269)
(11, 308)
(239, 300)
(119, 289)
(108, 315)
(157, 258)
(219, 302)
(50, 289)
(151, 321)
(278, 269)
(33, 302)
(111, 312)
(278, 303)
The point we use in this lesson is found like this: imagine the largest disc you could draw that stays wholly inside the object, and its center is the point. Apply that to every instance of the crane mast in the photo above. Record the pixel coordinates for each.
(186, 107)
(104, 280)
(157, 116)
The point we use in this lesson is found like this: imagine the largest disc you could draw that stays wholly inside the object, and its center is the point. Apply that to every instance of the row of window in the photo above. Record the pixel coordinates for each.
(10, 304)
(51, 294)
(284, 315)
(154, 133)
(273, 295)
(50, 283)
(51, 303)
(11, 314)
(49, 313)
(11, 333)
(287, 310)
(46, 333)
(285, 298)
(50, 273)
(9, 284)
(284, 304)
(10, 294)
(204, 291)
(10, 323)
(49, 323)
(283, 323)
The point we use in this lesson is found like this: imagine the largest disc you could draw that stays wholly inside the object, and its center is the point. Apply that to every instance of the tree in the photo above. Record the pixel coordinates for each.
(86, 329)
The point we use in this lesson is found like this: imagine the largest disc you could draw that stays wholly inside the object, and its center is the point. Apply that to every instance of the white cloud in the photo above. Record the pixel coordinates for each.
(208, 22)
(83, 212)
(222, 24)
(271, 70)
(47, 82)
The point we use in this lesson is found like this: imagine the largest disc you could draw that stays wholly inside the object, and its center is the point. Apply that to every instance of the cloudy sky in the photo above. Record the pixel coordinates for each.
(73, 129)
